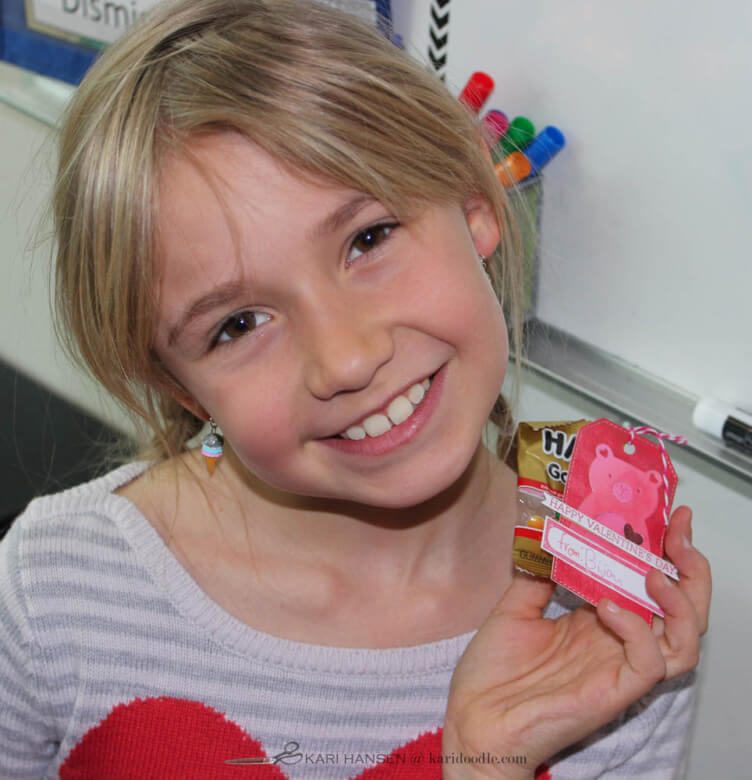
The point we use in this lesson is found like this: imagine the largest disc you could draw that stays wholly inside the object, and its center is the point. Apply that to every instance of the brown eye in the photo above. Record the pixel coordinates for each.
(240, 325)
(369, 239)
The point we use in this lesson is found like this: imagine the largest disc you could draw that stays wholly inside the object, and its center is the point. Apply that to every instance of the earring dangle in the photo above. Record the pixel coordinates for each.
(484, 263)
(211, 447)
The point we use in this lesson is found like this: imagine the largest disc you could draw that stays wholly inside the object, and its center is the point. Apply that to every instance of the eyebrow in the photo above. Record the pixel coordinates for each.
(342, 215)
(226, 292)
(219, 296)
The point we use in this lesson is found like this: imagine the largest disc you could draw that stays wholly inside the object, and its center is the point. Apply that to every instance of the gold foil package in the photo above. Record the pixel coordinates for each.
(544, 450)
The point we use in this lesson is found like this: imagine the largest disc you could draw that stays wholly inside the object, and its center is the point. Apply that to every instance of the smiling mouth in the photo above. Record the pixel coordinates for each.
(398, 411)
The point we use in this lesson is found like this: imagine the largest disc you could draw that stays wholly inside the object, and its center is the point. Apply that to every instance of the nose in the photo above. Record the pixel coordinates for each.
(343, 349)
(622, 492)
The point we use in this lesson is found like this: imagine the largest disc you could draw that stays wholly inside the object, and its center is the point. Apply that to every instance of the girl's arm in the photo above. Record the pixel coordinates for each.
(26, 747)
(532, 686)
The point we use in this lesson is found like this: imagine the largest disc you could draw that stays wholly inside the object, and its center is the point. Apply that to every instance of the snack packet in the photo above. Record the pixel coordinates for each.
(544, 450)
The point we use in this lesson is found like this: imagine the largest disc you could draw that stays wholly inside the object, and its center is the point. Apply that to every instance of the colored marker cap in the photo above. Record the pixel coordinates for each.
(495, 124)
(515, 167)
(521, 131)
(475, 93)
(544, 146)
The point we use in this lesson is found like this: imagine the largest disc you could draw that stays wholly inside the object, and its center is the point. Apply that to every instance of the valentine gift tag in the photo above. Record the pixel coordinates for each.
(613, 516)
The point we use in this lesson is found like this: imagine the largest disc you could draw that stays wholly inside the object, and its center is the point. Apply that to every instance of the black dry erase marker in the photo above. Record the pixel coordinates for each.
(724, 422)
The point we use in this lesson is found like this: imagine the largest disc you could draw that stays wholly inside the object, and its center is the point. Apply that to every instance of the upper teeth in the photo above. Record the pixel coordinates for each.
(397, 412)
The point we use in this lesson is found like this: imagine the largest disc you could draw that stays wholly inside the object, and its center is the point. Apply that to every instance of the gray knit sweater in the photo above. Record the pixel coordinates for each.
(114, 664)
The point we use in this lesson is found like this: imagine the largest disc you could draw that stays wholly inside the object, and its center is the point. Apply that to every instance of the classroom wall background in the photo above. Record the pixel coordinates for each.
(646, 235)
(27, 336)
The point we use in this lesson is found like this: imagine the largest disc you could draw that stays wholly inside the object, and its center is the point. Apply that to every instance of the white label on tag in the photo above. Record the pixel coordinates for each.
(585, 556)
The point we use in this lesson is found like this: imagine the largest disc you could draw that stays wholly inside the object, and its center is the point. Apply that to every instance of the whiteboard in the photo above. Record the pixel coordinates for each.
(646, 237)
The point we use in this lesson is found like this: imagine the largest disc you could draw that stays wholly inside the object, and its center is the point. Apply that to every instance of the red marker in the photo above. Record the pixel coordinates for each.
(476, 91)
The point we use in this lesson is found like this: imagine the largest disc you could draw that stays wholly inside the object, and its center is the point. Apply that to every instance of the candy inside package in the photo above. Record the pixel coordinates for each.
(544, 451)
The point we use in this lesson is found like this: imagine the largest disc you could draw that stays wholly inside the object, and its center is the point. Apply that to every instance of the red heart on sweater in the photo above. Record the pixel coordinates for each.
(175, 738)
(168, 738)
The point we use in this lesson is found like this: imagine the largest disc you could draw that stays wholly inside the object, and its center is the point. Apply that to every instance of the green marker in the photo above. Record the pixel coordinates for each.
(520, 133)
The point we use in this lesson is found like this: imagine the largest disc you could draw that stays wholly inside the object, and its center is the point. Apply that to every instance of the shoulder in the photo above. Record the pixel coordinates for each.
(75, 513)
(58, 538)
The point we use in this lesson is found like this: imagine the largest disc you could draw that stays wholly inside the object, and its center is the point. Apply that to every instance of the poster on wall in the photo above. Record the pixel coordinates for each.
(61, 38)
(93, 23)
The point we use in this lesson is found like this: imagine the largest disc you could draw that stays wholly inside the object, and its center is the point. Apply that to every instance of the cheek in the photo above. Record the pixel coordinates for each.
(495, 350)
(474, 321)
(485, 342)
(256, 418)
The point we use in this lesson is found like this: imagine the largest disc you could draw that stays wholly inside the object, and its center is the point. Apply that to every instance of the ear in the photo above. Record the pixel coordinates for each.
(170, 386)
(191, 404)
(481, 221)
(163, 379)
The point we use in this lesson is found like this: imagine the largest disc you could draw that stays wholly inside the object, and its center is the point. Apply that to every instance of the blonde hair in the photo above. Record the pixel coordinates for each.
(317, 89)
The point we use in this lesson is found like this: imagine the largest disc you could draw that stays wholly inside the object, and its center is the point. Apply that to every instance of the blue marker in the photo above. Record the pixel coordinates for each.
(543, 147)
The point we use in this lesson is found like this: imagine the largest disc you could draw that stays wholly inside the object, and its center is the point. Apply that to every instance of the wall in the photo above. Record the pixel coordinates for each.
(27, 338)
(646, 233)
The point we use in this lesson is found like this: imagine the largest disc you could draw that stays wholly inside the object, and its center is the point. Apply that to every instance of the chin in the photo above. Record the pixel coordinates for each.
(423, 484)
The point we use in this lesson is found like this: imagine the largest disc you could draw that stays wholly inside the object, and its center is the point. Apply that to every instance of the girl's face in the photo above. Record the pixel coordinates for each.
(293, 312)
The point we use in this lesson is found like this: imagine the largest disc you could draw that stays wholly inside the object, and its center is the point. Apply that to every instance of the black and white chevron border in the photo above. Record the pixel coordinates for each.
(438, 32)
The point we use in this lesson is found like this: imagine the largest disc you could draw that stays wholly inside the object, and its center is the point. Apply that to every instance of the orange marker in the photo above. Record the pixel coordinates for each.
(515, 167)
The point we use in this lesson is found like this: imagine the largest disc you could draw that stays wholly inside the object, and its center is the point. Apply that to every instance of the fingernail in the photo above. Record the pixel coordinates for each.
(685, 541)
(611, 607)
(668, 579)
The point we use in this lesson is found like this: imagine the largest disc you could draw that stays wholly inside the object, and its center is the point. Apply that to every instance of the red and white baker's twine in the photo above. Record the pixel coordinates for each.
(644, 430)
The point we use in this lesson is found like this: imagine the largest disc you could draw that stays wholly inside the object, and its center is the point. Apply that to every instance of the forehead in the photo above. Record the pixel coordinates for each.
(226, 174)
(223, 195)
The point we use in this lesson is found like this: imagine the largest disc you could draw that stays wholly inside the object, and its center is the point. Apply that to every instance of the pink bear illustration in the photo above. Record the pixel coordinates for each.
(623, 497)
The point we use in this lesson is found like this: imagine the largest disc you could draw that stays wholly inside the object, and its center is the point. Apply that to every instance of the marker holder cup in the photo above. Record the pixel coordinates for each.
(526, 201)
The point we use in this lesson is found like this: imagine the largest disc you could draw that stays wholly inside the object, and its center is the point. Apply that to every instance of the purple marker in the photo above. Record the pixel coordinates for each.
(495, 124)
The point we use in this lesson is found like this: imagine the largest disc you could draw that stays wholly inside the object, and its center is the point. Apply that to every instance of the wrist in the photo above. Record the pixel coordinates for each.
(464, 760)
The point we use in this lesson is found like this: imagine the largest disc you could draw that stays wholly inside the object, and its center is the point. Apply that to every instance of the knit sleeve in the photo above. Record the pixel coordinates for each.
(650, 739)
(656, 732)
(26, 746)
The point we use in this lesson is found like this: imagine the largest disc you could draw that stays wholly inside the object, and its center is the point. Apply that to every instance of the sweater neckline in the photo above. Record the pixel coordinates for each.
(195, 605)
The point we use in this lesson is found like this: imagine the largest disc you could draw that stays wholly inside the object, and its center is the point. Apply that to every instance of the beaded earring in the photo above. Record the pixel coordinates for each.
(484, 263)
(211, 447)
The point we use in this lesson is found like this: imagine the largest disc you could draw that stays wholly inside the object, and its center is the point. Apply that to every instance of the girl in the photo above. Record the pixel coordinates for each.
(271, 220)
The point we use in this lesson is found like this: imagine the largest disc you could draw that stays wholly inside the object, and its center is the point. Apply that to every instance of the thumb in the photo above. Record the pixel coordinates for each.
(525, 597)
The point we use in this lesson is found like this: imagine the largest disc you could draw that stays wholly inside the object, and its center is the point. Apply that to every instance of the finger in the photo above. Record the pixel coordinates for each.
(640, 646)
(680, 642)
(680, 524)
(525, 597)
(694, 568)
(658, 626)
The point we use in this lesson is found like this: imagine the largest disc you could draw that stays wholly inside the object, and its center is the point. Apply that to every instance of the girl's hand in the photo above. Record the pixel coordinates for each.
(531, 686)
